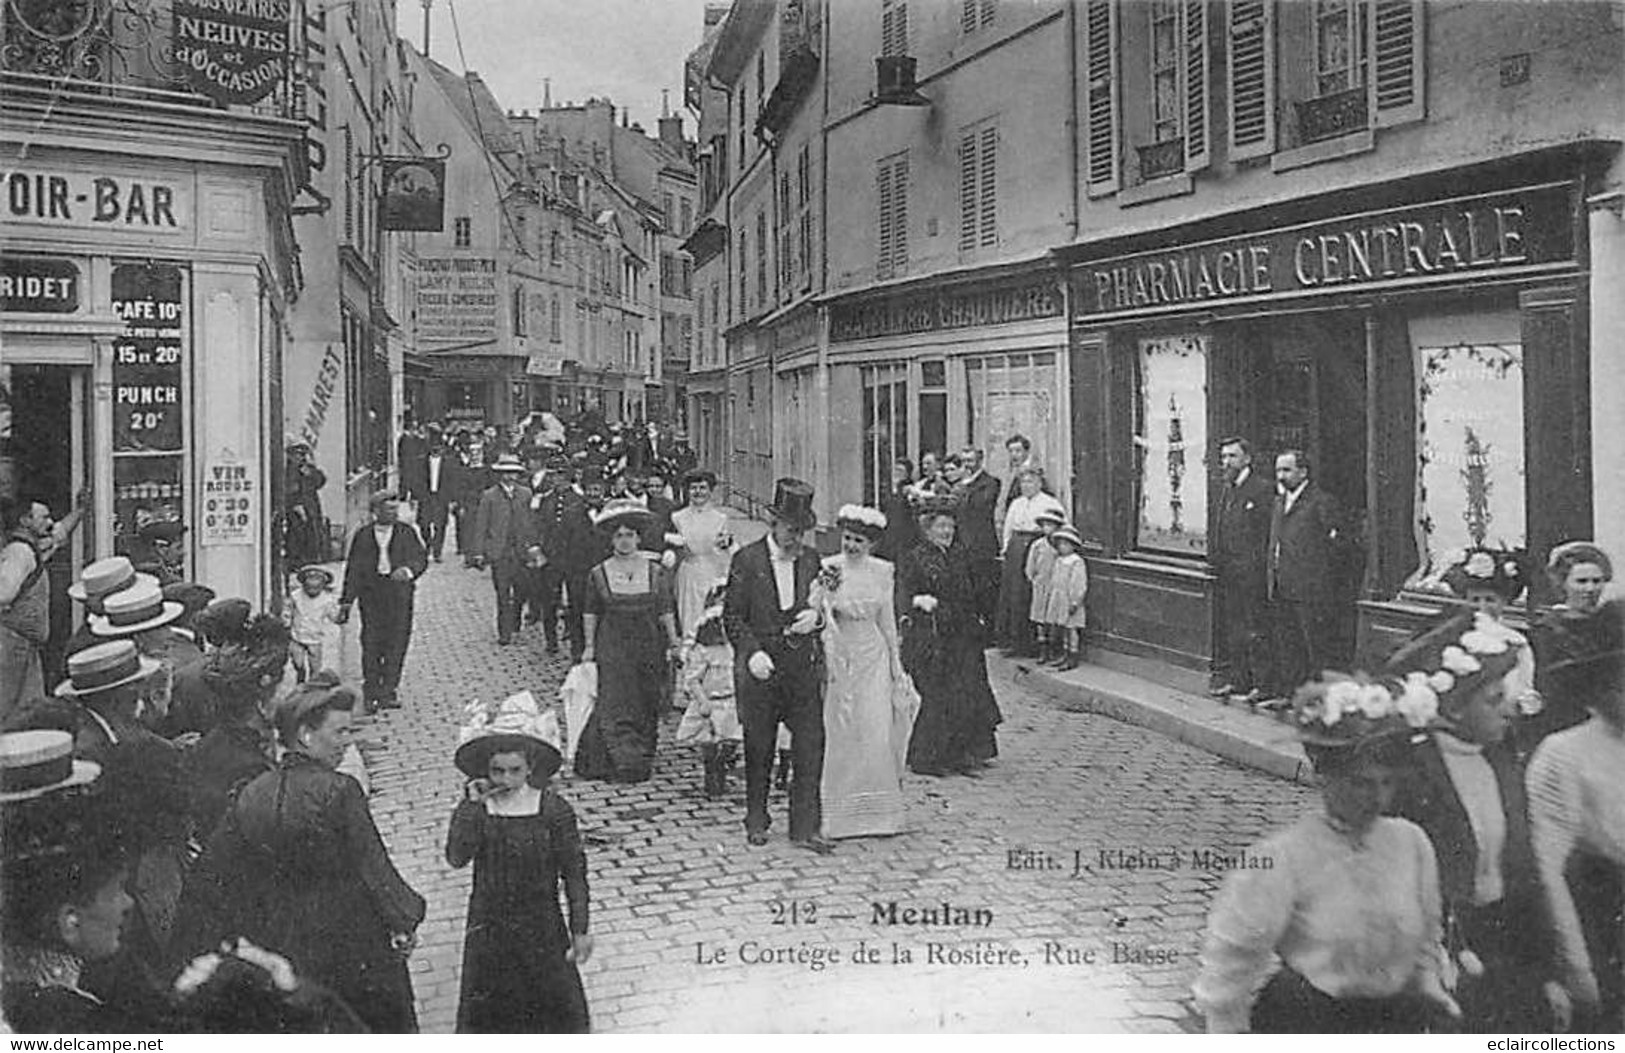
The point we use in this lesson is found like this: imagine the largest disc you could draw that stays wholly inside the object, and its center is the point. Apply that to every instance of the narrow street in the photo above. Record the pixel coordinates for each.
(697, 932)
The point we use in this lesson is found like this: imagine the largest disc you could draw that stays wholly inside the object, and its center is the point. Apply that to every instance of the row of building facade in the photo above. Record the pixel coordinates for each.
(198, 275)
(1387, 232)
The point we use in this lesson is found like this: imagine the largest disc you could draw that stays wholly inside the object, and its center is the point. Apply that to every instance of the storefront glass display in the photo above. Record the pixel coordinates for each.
(885, 426)
(1170, 436)
(1015, 394)
(149, 411)
(1470, 468)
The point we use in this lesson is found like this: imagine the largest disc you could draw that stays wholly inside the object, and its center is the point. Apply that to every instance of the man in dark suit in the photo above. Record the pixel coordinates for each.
(779, 664)
(412, 454)
(385, 561)
(978, 531)
(1306, 538)
(440, 489)
(1240, 556)
(505, 537)
(572, 546)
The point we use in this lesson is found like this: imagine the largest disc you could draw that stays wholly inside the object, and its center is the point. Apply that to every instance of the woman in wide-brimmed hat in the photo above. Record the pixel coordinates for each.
(1333, 925)
(297, 866)
(631, 630)
(1464, 788)
(1577, 822)
(519, 954)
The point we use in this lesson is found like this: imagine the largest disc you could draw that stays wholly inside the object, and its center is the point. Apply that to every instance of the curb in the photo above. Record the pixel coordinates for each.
(1239, 736)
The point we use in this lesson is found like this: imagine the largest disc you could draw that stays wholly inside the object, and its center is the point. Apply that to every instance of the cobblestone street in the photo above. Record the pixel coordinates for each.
(692, 925)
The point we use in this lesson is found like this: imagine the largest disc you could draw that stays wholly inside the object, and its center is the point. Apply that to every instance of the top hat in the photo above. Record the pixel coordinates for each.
(104, 666)
(35, 763)
(100, 578)
(1066, 533)
(136, 609)
(1486, 568)
(509, 463)
(514, 725)
(792, 502)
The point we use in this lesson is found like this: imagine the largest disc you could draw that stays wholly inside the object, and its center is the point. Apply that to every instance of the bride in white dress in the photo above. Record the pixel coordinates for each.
(869, 702)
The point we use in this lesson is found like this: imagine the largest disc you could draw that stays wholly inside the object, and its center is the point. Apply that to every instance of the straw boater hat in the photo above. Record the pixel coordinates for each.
(514, 725)
(509, 463)
(104, 666)
(102, 578)
(622, 511)
(35, 763)
(136, 609)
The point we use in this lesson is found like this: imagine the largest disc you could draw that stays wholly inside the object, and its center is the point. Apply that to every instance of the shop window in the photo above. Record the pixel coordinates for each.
(1470, 466)
(891, 196)
(885, 426)
(1014, 394)
(1170, 441)
(933, 406)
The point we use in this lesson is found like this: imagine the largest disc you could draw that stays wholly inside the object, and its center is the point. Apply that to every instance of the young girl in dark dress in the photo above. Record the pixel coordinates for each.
(519, 956)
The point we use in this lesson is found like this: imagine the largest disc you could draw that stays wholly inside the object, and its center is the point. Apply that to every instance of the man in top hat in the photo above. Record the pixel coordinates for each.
(505, 537)
(779, 664)
(386, 559)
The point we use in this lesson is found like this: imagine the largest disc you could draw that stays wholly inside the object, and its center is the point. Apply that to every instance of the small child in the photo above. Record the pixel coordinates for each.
(1040, 567)
(711, 719)
(1069, 583)
(312, 608)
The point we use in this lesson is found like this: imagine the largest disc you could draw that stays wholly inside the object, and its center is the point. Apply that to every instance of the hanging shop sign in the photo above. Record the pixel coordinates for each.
(38, 286)
(233, 51)
(230, 494)
(414, 194)
(923, 312)
(1444, 241)
(147, 358)
(96, 199)
(456, 300)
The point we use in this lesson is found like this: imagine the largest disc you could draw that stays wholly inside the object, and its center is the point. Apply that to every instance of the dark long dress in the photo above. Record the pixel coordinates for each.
(943, 653)
(1562, 635)
(515, 976)
(902, 526)
(298, 867)
(1014, 625)
(618, 742)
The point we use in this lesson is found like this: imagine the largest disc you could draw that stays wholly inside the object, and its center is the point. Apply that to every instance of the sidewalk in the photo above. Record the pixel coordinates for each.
(1231, 732)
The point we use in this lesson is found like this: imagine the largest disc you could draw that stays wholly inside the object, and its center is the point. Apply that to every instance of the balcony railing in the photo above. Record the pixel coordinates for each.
(1333, 115)
(125, 49)
(1161, 159)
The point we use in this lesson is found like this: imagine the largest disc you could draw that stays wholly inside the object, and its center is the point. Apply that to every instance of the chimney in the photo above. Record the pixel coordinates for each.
(671, 132)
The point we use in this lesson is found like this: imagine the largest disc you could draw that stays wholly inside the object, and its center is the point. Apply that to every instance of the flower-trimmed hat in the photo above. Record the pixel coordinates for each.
(514, 725)
(1339, 711)
(622, 511)
(1498, 570)
(862, 520)
(1446, 666)
(136, 609)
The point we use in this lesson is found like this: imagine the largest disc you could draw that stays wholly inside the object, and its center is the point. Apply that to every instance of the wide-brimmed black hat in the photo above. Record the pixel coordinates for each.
(793, 503)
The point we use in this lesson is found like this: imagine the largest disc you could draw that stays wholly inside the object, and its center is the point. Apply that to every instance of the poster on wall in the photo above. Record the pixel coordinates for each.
(1171, 435)
(1470, 458)
(230, 492)
(456, 300)
(148, 358)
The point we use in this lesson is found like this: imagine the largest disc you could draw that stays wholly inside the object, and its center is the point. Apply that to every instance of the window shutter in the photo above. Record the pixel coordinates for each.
(894, 27)
(1396, 84)
(967, 192)
(900, 215)
(967, 16)
(1101, 63)
(1251, 98)
(989, 228)
(883, 194)
(1196, 97)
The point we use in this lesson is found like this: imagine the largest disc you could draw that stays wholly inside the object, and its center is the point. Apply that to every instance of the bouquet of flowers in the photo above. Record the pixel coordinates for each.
(829, 578)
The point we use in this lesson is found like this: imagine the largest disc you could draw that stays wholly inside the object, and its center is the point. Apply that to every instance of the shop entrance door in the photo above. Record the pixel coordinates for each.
(42, 458)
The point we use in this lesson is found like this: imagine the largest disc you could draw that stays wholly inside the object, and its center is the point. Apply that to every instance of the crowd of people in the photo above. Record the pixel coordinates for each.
(189, 845)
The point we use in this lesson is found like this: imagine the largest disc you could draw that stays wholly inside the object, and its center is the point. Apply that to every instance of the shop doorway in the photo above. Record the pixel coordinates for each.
(42, 458)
